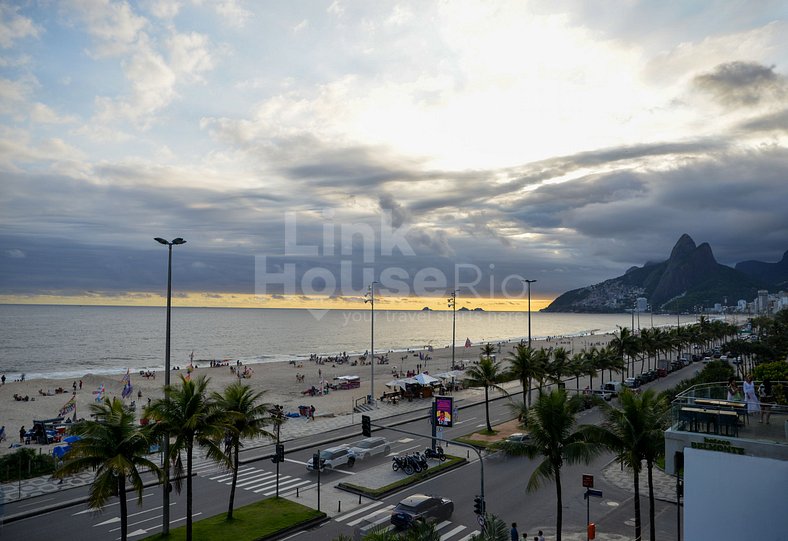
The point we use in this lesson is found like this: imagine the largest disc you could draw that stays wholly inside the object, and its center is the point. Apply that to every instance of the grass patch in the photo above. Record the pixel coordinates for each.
(250, 523)
(451, 462)
(481, 444)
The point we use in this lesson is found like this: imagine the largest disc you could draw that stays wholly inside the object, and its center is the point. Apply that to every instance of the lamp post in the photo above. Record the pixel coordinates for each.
(453, 306)
(528, 285)
(370, 298)
(166, 447)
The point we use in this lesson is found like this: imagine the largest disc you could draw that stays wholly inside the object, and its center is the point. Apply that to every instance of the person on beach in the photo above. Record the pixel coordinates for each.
(312, 412)
(513, 533)
(22, 433)
(80, 385)
(3, 379)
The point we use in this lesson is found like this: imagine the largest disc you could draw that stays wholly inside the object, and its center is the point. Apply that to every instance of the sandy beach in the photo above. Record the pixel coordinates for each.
(277, 379)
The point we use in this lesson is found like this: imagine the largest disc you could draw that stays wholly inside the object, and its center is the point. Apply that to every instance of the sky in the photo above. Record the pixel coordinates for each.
(305, 149)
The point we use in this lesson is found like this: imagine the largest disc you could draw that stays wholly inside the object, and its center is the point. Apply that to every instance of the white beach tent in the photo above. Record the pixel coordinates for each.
(425, 379)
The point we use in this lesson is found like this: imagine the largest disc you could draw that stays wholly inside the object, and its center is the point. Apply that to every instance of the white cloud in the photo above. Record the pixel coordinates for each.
(43, 114)
(14, 27)
(164, 9)
(233, 12)
(301, 26)
(15, 253)
(189, 54)
(113, 25)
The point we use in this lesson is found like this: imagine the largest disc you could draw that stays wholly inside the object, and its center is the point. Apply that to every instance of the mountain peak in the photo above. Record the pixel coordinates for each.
(683, 247)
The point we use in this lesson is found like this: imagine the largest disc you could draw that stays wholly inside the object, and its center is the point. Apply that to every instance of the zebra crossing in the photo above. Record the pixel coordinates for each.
(377, 515)
(253, 479)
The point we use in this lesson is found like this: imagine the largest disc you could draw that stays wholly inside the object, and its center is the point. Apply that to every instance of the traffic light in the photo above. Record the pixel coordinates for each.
(478, 505)
(280, 453)
(366, 426)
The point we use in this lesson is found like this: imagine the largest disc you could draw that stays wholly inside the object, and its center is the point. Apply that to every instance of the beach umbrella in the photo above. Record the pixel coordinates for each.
(60, 450)
(71, 439)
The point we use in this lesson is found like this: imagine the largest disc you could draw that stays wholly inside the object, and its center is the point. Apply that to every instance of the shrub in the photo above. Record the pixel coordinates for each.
(27, 462)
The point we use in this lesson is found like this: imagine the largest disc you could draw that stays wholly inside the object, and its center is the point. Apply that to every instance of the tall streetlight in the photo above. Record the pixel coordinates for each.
(453, 306)
(166, 447)
(528, 285)
(370, 298)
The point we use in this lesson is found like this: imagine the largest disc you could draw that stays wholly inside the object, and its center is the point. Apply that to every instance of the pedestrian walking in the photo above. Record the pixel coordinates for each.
(3, 379)
(541, 536)
(312, 412)
(80, 385)
(513, 533)
(22, 435)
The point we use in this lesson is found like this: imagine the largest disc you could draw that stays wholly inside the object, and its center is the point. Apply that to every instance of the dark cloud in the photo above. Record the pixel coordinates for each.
(767, 123)
(742, 84)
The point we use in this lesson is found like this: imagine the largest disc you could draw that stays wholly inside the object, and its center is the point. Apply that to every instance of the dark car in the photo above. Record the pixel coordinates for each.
(421, 507)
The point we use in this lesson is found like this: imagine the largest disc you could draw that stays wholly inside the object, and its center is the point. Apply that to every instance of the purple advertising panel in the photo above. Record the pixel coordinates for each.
(443, 410)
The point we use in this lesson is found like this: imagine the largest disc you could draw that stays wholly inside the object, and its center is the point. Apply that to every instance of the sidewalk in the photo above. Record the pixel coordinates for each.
(291, 430)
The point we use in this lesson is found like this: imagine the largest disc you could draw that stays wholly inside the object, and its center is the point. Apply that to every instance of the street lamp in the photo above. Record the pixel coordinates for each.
(453, 306)
(528, 285)
(166, 447)
(370, 298)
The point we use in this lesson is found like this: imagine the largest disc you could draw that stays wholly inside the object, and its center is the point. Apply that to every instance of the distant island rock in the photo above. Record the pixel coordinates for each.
(463, 309)
(690, 277)
(478, 309)
(426, 309)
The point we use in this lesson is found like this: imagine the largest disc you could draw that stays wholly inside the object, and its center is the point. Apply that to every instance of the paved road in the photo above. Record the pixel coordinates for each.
(505, 480)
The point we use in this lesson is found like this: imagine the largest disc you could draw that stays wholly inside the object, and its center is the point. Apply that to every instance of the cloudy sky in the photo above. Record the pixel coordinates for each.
(562, 141)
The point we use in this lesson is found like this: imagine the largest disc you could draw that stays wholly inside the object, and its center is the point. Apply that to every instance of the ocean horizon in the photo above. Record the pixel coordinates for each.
(64, 341)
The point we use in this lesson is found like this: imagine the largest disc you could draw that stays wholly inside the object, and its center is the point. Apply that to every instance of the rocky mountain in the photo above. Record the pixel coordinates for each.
(772, 273)
(690, 277)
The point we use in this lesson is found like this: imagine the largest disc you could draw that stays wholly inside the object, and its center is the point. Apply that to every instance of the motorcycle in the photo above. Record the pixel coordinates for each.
(402, 463)
(422, 461)
(436, 454)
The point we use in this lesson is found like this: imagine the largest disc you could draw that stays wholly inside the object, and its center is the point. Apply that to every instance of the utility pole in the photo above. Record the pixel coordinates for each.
(453, 306)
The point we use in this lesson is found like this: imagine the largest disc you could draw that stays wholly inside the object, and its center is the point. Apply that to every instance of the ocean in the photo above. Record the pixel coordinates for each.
(71, 341)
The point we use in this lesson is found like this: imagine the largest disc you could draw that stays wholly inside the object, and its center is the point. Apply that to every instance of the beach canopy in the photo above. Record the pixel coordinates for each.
(425, 379)
(348, 378)
(71, 439)
(403, 383)
(60, 450)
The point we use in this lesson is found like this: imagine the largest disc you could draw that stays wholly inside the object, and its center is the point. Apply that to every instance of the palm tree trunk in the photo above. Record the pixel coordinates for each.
(487, 407)
(652, 527)
(236, 453)
(189, 451)
(638, 526)
(559, 505)
(124, 519)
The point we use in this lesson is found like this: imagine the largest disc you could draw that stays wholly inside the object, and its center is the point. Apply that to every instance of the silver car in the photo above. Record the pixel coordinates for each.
(370, 447)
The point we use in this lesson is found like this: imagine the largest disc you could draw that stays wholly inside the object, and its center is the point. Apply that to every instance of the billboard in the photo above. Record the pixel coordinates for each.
(444, 407)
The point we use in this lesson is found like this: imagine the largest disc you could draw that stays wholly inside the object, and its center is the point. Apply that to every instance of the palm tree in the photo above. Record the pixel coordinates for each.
(625, 344)
(577, 367)
(486, 374)
(542, 360)
(116, 449)
(189, 416)
(525, 367)
(591, 364)
(559, 366)
(551, 422)
(488, 350)
(634, 431)
(248, 418)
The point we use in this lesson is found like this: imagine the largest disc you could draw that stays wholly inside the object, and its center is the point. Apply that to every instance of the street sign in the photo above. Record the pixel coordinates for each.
(480, 520)
(594, 492)
(588, 481)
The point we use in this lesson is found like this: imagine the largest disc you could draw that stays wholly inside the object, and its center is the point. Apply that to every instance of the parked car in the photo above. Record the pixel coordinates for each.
(519, 437)
(370, 447)
(421, 507)
(632, 383)
(333, 457)
(613, 387)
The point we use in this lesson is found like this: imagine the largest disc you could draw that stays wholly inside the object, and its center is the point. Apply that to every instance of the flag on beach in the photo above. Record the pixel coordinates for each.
(468, 343)
(99, 393)
(68, 407)
(127, 388)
